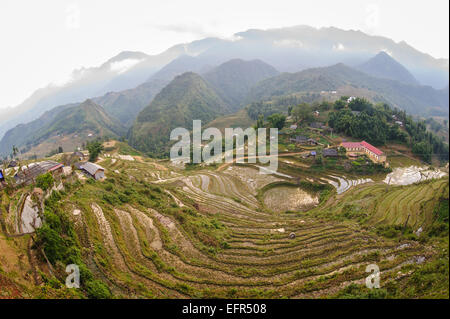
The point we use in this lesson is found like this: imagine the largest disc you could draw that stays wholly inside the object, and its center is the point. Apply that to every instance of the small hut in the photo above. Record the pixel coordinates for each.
(330, 152)
(96, 171)
(12, 164)
(79, 155)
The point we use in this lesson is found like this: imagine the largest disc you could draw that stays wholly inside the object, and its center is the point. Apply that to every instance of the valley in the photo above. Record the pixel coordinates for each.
(154, 230)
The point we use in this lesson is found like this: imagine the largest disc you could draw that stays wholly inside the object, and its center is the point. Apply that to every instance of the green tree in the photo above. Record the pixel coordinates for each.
(359, 104)
(423, 150)
(94, 148)
(302, 112)
(44, 181)
(260, 122)
(15, 151)
(339, 104)
(277, 120)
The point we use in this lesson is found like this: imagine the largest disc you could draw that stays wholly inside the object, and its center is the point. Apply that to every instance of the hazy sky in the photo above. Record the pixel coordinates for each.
(43, 41)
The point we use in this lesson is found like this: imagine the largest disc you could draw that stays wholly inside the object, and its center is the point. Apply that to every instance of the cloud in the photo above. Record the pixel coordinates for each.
(191, 28)
(123, 65)
(338, 47)
(288, 43)
(387, 51)
(233, 38)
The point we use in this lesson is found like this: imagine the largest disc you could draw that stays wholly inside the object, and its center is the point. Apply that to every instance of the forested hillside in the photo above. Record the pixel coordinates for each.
(188, 97)
(411, 98)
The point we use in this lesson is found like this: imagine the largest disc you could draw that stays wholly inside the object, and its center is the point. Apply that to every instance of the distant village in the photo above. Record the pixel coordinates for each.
(352, 150)
(27, 174)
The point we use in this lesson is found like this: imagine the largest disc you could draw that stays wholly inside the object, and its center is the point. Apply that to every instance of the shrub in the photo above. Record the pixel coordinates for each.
(45, 181)
(97, 290)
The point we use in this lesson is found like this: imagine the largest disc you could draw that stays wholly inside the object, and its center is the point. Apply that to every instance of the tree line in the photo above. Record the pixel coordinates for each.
(376, 124)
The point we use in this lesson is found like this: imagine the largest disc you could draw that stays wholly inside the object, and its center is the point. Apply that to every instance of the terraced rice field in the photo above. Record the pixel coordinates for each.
(156, 231)
(393, 205)
(141, 251)
(281, 199)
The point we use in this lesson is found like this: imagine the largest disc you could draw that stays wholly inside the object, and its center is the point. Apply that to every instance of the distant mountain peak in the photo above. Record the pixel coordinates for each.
(186, 98)
(88, 102)
(385, 66)
(124, 55)
(233, 79)
(66, 121)
(382, 54)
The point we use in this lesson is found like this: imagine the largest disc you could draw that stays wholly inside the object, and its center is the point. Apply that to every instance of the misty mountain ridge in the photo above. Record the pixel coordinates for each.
(124, 71)
(233, 80)
(188, 97)
(83, 119)
(414, 99)
(127, 83)
(288, 49)
(384, 66)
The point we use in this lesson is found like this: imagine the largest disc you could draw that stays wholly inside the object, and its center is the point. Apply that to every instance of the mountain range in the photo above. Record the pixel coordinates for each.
(231, 81)
(142, 93)
(289, 49)
(78, 122)
(384, 66)
(414, 99)
(124, 71)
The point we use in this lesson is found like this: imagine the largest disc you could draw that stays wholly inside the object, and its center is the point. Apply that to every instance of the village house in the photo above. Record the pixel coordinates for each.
(293, 127)
(318, 125)
(330, 152)
(299, 139)
(29, 173)
(355, 148)
(12, 164)
(94, 170)
(79, 155)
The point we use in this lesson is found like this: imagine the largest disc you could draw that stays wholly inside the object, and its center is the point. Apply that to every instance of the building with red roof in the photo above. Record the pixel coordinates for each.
(375, 154)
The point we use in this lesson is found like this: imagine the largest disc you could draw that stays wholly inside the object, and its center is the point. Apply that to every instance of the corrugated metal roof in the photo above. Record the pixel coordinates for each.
(351, 144)
(35, 169)
(363, 144)
(92, 168)
(372, 148)
(330, 152)
(54, 168)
